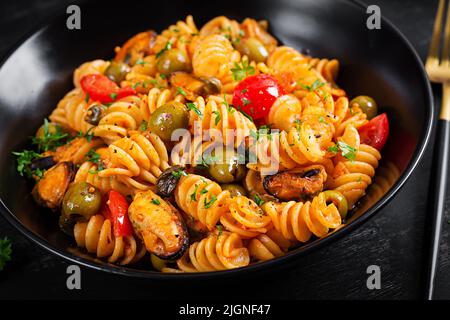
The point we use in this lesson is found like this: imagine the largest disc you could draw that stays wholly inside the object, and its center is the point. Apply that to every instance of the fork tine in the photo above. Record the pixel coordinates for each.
(433, 53)
(446, 49)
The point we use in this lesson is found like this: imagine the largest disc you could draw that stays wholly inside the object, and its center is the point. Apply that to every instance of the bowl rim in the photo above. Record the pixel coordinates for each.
(260, 266)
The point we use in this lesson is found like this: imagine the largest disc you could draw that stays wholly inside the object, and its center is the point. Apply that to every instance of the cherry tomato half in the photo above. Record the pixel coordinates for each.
(102, 89)
(255, 95)
(375, 132)
(116, 210)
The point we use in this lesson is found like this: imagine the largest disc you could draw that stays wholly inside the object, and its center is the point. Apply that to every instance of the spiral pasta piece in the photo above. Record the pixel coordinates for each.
(285, 111)
(268, 246)
(201, 198)
(71, 111)
(352, 178)
(258, 30)
(97, 237)
(214, 57)
(245, 218)
(138, 159)
(329, 69)
(299, 220)
(218, 251)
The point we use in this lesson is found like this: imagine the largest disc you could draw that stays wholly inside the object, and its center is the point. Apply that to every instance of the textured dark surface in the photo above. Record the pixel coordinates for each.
(393, 239)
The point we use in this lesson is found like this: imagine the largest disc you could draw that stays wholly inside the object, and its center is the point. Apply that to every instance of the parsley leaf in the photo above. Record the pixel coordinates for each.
(208, 204)
(347, 151)
(191, 106)
(245, 114)
(156, 201)
(194, 194)
(179, 173)
(113, 95)
(217, 119)
(181, 91)
(53, 137)
(143, 126)
(227, 105)
(314, 86)
(24, 161)
(167, 47)
(220, 229)
(94, 157)
(5, 252)
(242, 70)
(258, 200)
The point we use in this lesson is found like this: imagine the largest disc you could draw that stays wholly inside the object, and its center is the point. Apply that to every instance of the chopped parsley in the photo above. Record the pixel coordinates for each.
(24, 161)
(347, 151)
(245, 114)
(298, 124)
(242, 70)
(113, 95)
(191, 106)
(156, 201)
(167, 47)
(179, 173)
(88, 135)
(50, 140)
(258, 200)
(194, 194)
(217, 119)
(141, 62)
(5, 252)
(314, 86)
(219, 229)
(246, 101)
(87, 98)
(208, 204)
(143, 126)
(229, 107)
(181, 91)
(322, 119)
(94, 157)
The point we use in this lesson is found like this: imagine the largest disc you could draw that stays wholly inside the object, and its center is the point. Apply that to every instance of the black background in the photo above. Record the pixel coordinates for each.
(394, 239)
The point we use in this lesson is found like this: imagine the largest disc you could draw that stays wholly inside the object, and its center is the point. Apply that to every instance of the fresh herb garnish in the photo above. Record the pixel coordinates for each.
(167, 47)
(246, 101)
(181, 91)
(50, 140)
(24, 160)
(179, 173)
(156, 201)
(322, 119)
(229, 107)
(219, 229)
(298, 124)
(86, 98)
(258, 200)
(242, 70)
(208, 204)
(347, 151)
(217, 119)
(245, 114)
(314, 86)
(94, 157)
(143, 126)
(5, 252)
(194, 194)
(191, 106)
(113, 96)
(141, 62)
(88, 135)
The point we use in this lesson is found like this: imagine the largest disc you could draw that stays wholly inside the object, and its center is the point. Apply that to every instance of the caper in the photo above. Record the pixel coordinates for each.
(94, 114)
(226, 166)
(52, 128)
(82, 200)
(339, 201)
(253, 49)
(172, 60)
(212, 86)
(367, 105)
(167, 118)
(117, 71)
(234, 189)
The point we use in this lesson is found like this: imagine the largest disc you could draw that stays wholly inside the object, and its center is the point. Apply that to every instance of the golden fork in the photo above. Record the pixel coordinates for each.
(438, 69)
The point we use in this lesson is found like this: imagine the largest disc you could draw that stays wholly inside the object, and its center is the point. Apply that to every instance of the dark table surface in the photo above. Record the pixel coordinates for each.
(394, 239)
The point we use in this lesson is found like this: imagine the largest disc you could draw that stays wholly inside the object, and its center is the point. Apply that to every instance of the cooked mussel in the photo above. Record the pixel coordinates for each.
(296, 184)
(43, 163)
(167, 181)
(160, 226)
(50, 189)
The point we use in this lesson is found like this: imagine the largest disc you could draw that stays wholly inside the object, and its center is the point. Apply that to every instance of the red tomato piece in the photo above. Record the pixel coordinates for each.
(118, 211)
(255, 95)
(375, 133)
(102, 89)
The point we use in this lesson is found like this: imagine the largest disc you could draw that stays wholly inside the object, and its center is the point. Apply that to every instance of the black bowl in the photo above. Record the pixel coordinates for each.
(380, 63)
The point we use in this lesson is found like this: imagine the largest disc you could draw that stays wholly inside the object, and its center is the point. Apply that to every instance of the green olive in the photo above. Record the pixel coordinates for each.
(52, 128)
(167, 118)
(226, 167)
(82, 200)
(117, 71)
(172, 60)
(339, 201)
(253, 49)
(367, 105)
(235, 189)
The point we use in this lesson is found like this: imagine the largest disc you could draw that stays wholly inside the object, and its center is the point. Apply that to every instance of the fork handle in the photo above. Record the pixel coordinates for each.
(441, 162)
